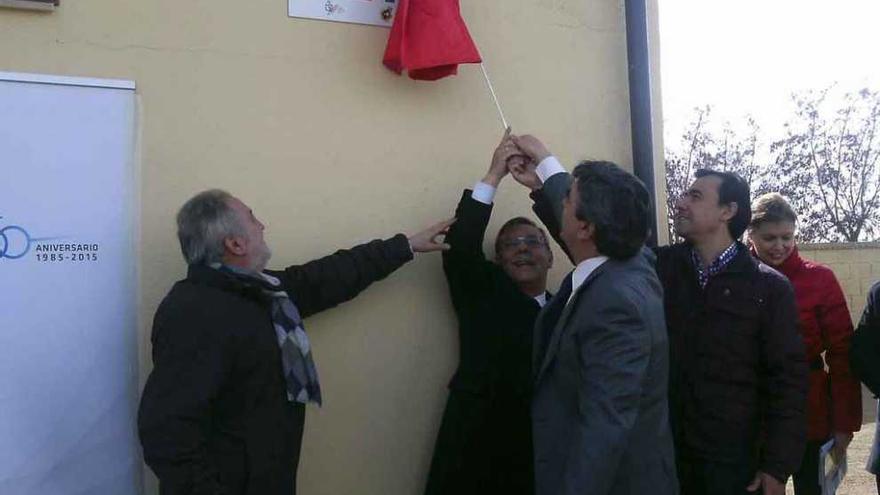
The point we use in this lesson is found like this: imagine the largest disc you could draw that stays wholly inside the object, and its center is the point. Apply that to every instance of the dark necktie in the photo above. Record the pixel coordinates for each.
(551, 317)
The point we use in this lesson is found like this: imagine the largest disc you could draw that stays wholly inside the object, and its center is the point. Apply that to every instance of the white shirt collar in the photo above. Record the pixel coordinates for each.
(541, 298)
(583, 270)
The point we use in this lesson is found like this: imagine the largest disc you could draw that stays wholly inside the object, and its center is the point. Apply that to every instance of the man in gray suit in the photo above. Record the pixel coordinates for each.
(599, 412)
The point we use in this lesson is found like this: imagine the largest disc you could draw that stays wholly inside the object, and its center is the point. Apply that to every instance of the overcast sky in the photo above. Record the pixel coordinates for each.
(748, 56)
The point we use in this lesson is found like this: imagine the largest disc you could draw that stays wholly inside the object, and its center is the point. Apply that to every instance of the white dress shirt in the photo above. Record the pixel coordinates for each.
(549, 167)
(484, 193)
(582, 271)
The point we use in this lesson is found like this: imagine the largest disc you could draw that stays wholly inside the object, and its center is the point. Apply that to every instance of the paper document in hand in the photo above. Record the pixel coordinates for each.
(830, 472)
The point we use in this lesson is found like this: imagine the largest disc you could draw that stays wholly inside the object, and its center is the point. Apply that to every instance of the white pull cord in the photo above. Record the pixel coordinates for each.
(494, 97)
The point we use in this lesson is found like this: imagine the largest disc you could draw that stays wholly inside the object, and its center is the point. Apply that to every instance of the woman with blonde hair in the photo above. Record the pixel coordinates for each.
(834, 406)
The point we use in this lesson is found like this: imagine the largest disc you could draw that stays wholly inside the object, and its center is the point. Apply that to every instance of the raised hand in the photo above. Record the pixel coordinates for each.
(532, 147)
(428, 240)
(506, 152)
(523, 171)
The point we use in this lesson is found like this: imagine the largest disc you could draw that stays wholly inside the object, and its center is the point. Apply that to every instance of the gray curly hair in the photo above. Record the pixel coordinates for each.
(203, 223)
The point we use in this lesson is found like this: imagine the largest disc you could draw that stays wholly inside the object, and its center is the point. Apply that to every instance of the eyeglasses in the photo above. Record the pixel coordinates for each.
(531, 241)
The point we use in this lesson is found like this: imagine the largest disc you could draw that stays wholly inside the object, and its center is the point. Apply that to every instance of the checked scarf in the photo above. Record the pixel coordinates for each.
(298, 365)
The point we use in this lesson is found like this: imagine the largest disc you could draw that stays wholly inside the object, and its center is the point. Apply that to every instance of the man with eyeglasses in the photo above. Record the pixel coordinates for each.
(485, 444)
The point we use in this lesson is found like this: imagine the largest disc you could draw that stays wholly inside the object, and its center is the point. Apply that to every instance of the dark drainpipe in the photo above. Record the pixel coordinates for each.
(639, 66)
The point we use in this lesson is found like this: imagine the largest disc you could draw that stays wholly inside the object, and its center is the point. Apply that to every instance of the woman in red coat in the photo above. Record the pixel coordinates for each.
(834, 408)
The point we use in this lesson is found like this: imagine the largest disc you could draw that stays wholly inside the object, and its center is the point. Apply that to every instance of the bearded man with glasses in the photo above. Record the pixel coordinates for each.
(485, 443)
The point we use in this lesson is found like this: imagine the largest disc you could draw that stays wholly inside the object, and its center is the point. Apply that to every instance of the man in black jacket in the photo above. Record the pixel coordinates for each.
(738, 373)
(484, 445)
(223, 409)
(864, 357)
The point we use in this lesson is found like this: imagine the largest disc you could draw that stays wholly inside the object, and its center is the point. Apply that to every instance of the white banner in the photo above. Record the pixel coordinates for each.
(68, 325)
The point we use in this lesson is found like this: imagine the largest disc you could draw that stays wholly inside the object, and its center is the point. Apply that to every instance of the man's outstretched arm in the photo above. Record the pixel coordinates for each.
(326, 282)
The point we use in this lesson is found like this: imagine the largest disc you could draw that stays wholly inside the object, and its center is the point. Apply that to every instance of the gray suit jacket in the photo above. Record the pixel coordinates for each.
(600, 414)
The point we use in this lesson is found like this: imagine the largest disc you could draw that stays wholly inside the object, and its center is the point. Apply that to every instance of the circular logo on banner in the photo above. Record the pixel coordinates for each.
(15, 242)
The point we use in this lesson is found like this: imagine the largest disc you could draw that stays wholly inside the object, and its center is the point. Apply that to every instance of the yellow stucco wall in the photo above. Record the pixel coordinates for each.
(856, 266)
(300, 120)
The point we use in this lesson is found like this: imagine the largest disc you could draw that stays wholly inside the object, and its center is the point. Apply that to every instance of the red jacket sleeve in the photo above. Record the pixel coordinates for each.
(837, 330)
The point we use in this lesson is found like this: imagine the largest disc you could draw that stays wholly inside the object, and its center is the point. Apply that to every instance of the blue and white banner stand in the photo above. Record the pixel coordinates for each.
(68, 286)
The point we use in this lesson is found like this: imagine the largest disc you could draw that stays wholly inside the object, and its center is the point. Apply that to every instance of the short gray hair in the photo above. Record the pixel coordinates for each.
(203, 223)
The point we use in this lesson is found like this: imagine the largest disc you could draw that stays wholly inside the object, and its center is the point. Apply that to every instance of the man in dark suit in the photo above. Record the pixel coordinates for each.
(484, 445)
(600, 411)
(223, 409)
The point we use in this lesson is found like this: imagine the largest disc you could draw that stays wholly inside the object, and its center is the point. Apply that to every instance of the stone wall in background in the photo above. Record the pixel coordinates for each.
(857, 266)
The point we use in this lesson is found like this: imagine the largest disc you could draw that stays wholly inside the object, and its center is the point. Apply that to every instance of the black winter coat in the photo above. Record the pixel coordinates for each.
(738, 378)
(214, 416)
